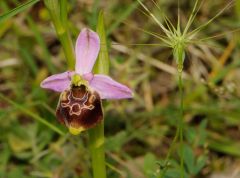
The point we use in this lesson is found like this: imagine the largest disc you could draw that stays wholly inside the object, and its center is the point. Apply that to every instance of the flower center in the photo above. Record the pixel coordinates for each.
(78, 80)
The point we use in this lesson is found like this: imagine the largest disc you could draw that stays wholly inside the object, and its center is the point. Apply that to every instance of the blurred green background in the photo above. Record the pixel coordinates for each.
(138, 131)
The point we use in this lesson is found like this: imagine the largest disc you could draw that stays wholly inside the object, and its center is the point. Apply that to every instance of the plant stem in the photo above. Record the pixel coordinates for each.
(58, 13)
(66, 42)
(96, 143)
(96, 134)
(181, 123)
(179, 132)
(170, 153)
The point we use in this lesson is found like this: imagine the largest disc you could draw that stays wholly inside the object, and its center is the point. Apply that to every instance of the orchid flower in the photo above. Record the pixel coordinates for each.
(79, 106)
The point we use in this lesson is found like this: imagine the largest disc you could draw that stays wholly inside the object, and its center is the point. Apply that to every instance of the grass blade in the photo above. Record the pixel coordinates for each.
(17, 10)
(122, 17)
(43, 45)
(32, 115)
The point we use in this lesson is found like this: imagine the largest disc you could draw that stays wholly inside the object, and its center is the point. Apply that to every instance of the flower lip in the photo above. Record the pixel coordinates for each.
(79, 109)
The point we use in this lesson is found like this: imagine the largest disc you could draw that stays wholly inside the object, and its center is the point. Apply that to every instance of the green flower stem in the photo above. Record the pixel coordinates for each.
(181, 123)
(96, 134)
(58, 13)
(96, 144)
(163, 172)
(179, 132)
(66, 42)
(179, 54)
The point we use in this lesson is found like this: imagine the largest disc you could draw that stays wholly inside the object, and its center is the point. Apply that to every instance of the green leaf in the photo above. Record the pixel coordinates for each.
(191, 134)
(172, 173)
(201, 162)
(17, 10)
(18, 144)
(102, 64)
(116, 142)
(188, 158)
(237, 8)
(202, 132)
(16, 171)
(221, 145)
(4, 157)
(149, 164)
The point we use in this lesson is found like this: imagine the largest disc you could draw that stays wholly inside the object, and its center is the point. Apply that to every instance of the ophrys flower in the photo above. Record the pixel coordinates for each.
(79, 106)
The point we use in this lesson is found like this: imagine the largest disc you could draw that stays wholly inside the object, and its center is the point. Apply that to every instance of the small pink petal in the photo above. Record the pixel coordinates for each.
(88, 76)
(57, 82)
(109, 88)
(87, 49)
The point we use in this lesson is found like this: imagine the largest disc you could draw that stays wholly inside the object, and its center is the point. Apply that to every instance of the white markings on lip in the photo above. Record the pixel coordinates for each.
(76, 105)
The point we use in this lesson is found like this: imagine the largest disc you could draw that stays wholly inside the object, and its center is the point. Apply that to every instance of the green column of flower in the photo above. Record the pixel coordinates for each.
(96, 135)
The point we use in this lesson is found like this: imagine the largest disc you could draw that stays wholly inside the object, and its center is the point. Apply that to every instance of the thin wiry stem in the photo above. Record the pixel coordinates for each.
(162, 174)
(179, 133)
(145, 31)
(144, 13)
(162, 38)
(170, 25)
(191, 18)
(166, 19)
(201, 43)
(179, 18)
(194, 15)
(154, 34)
(181, 123)
(215, 36)
(166, 31)
(211, 20)
(181, 105)
(139, 44)
(196, 42)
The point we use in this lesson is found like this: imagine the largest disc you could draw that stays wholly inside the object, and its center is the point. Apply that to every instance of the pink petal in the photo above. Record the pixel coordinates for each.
(109, 88)
(88, 77)
(57, 82)
(87, 49)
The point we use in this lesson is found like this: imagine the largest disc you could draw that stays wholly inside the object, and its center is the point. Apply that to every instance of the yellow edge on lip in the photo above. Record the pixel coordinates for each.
(75, 131)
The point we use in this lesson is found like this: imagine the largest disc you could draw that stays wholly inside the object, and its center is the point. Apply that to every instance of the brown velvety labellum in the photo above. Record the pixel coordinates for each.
(79, 107)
